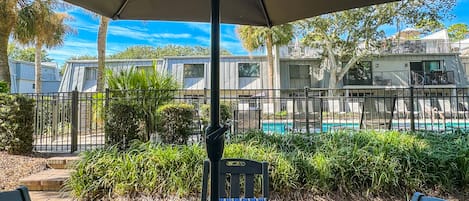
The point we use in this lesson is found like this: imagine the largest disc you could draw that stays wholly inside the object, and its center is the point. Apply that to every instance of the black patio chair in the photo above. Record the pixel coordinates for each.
(20, 194)
(421, 197)
(230, 172)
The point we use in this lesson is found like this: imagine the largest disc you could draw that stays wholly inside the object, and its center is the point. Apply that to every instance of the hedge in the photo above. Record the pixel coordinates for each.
(16, 123)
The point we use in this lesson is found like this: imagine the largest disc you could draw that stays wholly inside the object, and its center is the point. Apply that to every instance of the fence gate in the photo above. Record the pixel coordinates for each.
(68, 122)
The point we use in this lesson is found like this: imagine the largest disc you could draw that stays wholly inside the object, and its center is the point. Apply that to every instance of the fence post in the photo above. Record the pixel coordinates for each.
(307, 110)
(412, 117)
(321, 110)
(259, 125)
(293, 113)
(205, 95)
(74, 140)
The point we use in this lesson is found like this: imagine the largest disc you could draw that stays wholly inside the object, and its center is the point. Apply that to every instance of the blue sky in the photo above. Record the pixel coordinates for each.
(123, 34)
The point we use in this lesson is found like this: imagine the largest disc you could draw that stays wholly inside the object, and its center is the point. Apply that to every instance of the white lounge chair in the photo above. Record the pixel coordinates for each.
(426, 109)
(400, 108)
(446, 108)
(354, 107)
(335, 107)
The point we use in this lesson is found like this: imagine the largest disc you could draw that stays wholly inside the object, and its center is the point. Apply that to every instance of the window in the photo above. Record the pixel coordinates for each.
(299, 71)
(430, 66)
(193, 70)
(91, 73)
(360, 74)
(248, 69)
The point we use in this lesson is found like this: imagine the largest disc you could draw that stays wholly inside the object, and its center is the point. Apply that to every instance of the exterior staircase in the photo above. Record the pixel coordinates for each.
(47, 185)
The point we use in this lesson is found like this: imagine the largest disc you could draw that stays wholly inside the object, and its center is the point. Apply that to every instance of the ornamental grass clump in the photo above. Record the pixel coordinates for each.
(361, 163)
(375, 162)
(147, 169)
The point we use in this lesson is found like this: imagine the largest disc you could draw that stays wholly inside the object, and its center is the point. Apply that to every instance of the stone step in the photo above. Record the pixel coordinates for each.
(48, 180)
(62, 162)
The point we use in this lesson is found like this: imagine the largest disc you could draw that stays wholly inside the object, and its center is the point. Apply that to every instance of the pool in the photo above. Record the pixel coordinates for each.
(285, 127)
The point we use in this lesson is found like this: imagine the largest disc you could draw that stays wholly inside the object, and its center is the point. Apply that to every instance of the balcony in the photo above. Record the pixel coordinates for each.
(416, 47)
(403, 79)
(300, 51)
(439, 77)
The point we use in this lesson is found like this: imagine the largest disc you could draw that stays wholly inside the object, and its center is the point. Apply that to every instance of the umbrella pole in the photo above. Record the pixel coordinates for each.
(215, 133)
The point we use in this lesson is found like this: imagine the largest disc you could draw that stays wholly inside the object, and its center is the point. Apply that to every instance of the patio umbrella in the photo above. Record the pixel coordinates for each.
(247, 12)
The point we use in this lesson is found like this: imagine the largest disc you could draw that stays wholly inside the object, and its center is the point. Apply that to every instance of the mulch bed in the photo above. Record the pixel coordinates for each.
(15, 167)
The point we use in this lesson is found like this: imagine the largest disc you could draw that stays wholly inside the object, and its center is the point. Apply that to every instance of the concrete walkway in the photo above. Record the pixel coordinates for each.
(48, 196)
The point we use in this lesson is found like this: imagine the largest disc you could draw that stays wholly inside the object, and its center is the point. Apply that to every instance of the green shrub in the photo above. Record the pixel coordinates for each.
(4, 87)
(123, 123)
(16, 123)
(225, 113)
(175, 122)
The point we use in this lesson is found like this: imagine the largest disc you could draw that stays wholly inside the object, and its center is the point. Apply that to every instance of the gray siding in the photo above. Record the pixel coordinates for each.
(74, 76)
(229, 74)
(316, 76)
(23, 76)
(393, 68)
(465, 64)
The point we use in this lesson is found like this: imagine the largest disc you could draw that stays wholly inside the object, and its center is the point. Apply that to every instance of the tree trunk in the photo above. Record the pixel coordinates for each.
(7, 20)
(4, 67)
(37, 69)
(270, 60)
(332, 63)
(102, 35)
(333, 79)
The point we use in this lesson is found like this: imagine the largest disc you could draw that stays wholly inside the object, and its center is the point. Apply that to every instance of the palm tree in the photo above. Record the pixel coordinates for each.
(254, 38)
(102, 34)
(8, 14)
(39, 25)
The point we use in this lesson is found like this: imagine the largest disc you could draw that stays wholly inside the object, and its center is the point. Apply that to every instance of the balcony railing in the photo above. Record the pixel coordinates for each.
(403, 78)
(300, 51)
(390, 78)
(427, 46)
(432, 78)
(417, 47)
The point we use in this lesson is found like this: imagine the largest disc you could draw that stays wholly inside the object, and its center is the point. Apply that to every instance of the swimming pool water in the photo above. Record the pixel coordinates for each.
(285, 127)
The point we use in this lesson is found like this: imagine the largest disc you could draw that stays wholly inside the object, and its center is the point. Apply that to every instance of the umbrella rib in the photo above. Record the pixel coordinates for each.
(121, 8)
(266, 15)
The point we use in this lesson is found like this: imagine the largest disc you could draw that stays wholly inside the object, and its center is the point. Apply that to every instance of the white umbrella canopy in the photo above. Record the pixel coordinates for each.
(246, 12)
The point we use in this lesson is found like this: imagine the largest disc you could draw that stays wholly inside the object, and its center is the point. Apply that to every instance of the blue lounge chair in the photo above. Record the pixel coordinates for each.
(421, 197)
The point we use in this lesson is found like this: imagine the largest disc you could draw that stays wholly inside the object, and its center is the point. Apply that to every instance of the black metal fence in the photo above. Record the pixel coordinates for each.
(74, 121)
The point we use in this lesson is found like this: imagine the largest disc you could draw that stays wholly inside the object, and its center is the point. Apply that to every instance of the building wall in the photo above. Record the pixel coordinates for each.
(465, 64)
(393, 68)
(77, 77)
(316, 76)
(23, 76)
(229, 72)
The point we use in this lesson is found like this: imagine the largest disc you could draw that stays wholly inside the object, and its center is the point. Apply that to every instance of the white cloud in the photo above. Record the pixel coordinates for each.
(172, 35)
(203, 27)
